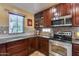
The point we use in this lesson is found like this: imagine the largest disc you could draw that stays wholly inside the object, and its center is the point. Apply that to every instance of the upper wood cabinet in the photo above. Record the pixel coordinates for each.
(56, 11)
(63, 9)
(43, 19)
(38, 20)
(75, 13)
(47, 14)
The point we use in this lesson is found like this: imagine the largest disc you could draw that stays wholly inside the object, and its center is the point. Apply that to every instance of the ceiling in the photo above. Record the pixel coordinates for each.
(33, 7)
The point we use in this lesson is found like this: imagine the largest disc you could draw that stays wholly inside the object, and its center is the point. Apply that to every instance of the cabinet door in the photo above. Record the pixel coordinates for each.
(27, 50)
(64, 9)
(60, 10)
(75, 49)
(44, 46)
(47, 17)
(37, 43)
(68, 8)
(38, 20)
(32, 44)
(3, 50)
(75, 13)
(14, 48)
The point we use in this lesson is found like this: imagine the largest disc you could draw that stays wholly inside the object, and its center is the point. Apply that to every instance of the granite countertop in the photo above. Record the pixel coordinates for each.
(76, 41)
(10, 38)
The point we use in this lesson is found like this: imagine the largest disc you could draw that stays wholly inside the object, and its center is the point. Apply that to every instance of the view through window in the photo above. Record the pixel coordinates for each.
(15, 23)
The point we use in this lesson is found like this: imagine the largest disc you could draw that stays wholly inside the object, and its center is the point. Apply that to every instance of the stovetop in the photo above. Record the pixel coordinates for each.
(66, 41)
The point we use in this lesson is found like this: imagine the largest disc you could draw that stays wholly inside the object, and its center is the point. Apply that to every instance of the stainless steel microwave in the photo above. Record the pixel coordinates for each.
(62, 21)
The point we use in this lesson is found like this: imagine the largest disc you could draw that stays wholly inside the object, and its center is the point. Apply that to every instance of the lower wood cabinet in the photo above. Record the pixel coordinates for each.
(31, 45)
(75, 49)
(25, 47)
(17, 48)
(3, 50)
(40, 44)
(21, 53)
(43, 45)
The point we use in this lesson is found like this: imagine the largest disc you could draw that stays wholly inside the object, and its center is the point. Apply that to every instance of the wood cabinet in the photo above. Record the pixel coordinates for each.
(43, 45)
(43, 19)
(22, 47)
(56, 11)
(38, 20)
(40, 44)
(75, 13)
(64, 9)
(75, 49)
(21, 53)
(25, 47)
(3, 50)
(19, 48)
(16, 47)
(32, 45)
(47, 14)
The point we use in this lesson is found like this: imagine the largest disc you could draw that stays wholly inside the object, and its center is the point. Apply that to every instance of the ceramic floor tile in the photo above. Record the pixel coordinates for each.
(37, 53)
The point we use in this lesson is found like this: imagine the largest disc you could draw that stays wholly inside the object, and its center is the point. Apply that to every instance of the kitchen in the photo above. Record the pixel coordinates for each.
(39, 29)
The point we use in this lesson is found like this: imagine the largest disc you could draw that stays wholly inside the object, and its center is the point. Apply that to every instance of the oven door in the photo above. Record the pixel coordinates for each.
(57, 48)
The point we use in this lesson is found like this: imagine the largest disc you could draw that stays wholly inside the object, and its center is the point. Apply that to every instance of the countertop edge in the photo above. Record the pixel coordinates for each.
(3, 41)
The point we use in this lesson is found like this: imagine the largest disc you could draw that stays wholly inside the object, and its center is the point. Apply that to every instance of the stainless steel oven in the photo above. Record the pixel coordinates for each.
(57, 48)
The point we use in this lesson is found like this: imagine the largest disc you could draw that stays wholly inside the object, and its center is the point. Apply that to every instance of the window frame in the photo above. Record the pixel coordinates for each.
(17, 23)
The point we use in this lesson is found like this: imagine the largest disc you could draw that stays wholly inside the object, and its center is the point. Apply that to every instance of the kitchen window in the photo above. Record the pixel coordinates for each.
(15, 23)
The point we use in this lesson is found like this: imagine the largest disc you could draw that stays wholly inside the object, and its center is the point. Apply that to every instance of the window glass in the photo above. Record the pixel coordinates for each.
(15, 23)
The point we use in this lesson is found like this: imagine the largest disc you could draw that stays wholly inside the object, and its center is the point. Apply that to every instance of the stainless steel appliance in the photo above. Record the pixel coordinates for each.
(57, 48)
(63, 36)
(62, 21)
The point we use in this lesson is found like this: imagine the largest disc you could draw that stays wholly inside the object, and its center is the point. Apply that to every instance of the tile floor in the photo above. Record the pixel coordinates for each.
(37, 53)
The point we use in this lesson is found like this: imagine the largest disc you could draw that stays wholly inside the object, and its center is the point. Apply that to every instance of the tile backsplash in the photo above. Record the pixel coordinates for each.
(62, 29)
(68, 29)
(75, 32)
(5, 30)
